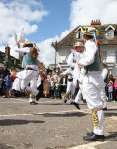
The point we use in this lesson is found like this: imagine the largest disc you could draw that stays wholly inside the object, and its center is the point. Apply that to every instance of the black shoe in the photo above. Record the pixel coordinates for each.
(84, 101)
(89, 133)
(75, 104)
(94, 137)
(105, 109)
(65, 100)
(38, 96)
(33, 103)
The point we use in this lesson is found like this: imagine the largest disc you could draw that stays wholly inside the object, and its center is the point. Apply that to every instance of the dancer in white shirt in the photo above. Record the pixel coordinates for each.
(92, 85)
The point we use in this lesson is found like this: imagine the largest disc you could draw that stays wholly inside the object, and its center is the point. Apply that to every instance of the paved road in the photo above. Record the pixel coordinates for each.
(51, 125)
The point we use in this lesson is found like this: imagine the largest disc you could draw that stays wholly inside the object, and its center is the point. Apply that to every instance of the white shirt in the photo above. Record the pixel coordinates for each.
(104, 73)
(89, 54)
(79, 72)
(23, 50)
(71, 58)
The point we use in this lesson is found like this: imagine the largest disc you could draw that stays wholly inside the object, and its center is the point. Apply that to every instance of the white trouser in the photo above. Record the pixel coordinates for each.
(79, 77)
(78, 96)
(71, 87)
(29, 77)
(17, 84)
(98, 122)
(103, 94)
(74, 85)
(104, 98)
(92, 85)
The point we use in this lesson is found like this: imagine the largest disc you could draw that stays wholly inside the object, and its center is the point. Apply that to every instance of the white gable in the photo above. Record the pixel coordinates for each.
(110, 27)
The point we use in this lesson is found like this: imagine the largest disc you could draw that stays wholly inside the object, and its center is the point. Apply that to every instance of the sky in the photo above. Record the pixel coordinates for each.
(56, 21)
(45, 21)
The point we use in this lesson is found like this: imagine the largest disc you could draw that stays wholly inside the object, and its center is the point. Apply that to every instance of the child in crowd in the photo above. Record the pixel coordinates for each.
(7, 85)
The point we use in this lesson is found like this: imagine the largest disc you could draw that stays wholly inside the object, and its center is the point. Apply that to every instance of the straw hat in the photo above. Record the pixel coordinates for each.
(89, 33)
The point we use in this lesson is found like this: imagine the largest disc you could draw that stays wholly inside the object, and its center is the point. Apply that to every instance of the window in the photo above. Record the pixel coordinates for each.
(110, 34)
(79, 35)
(111, 56)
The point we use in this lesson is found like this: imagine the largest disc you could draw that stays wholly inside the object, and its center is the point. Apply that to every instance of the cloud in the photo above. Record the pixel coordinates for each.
(83, 11)
(18, 14)
(47, 52)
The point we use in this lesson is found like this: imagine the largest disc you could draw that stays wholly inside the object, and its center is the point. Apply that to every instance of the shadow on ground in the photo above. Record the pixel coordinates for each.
(53, 104)
(73, 114)
(5, 146)
(7, 122)
(109, 114)
(112, 136)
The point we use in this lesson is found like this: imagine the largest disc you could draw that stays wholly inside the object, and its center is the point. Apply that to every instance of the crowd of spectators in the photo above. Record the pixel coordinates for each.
(6, 79)
(52, 85)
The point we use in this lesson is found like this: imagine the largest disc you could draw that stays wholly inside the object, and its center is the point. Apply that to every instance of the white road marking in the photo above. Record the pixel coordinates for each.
(27, 100)
(40, 113)
(91, 145)
(20, 99)
(13, 102)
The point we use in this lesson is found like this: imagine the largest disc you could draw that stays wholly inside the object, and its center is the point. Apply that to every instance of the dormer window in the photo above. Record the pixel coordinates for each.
(79, 35)
(110, 32)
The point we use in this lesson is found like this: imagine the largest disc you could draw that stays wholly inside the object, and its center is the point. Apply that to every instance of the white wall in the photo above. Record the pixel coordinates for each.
(109, 53)
(62, 54)
(110, 56)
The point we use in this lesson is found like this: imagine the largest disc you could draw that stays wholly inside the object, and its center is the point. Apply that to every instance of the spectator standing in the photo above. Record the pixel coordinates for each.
(115, 89)
(110, 90)
(7, 85)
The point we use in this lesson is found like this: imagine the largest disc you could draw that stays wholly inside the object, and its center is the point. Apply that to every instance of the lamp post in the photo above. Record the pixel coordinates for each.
(54, 44)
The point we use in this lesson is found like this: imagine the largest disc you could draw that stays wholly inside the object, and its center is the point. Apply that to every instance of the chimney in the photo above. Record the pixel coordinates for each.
(95, 22)
(7, 51)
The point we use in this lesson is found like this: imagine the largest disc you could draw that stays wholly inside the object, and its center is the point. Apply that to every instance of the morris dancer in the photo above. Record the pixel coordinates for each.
(78, 73)
(69, 72)
(29, 76)
(92, 85)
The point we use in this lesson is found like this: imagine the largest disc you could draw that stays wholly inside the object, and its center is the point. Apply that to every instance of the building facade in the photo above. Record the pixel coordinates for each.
(105, 35)
(6, 60)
